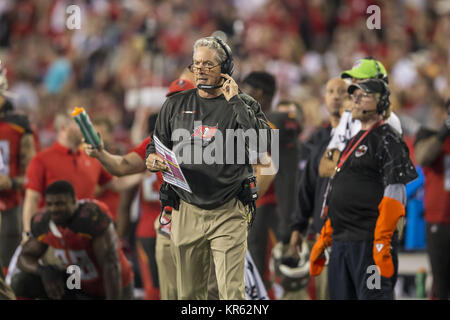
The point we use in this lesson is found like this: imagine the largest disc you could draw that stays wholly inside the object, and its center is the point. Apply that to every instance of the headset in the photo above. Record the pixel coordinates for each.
(226, 66)
(384, 103)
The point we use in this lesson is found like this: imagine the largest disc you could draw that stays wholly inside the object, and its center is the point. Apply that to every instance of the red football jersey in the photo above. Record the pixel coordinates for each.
(437, 186)
(268, 198)
(149, 198)
(12, 128)
(73, 244)
(150, 205)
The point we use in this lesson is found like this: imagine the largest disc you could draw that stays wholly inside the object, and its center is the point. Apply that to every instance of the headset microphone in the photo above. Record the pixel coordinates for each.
(369, 111)
(209, 86)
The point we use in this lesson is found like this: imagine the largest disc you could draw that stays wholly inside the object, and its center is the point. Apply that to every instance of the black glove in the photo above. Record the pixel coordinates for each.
(444, 132)
(53, 280)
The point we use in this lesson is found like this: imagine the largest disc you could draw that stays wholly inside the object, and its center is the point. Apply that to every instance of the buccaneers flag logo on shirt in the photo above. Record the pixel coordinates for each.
(205, 132)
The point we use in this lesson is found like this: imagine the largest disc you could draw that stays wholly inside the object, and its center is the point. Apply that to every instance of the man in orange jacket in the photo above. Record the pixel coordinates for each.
(365, 200)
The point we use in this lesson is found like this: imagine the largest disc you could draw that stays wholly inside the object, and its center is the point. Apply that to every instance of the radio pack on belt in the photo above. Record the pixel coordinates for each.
(169, 199)
(248, 197)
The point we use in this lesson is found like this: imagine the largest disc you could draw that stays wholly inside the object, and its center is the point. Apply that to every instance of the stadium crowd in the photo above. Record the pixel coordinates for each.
(123, 47)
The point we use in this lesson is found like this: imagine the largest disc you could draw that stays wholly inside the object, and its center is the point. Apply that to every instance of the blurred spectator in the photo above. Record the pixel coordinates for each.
(433, 153)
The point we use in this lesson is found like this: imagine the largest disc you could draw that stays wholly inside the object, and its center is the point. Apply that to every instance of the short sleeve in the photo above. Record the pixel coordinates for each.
(396, 165)
(140, 149)
(35, 175)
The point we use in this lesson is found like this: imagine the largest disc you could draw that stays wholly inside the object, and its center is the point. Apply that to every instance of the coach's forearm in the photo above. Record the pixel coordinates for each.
(427, 151)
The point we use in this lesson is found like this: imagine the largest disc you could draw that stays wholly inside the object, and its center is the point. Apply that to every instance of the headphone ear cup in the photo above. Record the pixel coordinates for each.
(227, 67)
(224, 67)
(384, 103)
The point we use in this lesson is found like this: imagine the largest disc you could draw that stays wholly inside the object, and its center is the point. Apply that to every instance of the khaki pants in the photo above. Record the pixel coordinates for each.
(167, 272)
(198, 233)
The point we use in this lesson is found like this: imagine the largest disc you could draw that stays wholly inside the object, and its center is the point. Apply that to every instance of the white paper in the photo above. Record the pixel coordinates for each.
(174, 175)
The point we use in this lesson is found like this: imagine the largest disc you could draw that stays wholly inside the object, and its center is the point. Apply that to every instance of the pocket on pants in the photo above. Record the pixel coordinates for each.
(243, 211)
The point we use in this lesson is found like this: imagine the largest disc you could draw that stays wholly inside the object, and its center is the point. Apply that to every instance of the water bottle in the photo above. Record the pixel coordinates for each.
(421, 277)
(82, 119)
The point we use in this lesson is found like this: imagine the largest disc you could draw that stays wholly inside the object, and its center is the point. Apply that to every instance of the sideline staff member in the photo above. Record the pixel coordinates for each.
(367, 197)
(211, 219)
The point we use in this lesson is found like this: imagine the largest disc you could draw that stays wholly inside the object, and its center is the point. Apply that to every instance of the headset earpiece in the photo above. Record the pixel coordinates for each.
(227, 66)
(384, 103)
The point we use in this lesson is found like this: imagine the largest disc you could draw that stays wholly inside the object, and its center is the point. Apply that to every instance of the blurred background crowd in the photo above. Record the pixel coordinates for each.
(123, 47)
(126, 45)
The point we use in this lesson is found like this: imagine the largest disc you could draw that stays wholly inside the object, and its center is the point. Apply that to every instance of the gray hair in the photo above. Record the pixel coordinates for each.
(211, 43)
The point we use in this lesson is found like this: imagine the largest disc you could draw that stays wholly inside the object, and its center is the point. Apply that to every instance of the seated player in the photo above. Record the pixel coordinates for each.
(81, 234)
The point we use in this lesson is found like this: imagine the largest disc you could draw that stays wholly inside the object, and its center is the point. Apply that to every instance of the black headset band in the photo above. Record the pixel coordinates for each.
(227, 65)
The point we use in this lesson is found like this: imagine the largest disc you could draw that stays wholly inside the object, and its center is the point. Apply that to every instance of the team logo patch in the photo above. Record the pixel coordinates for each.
(360, 151)
(379, 247)
(205, 132)
(357, 64)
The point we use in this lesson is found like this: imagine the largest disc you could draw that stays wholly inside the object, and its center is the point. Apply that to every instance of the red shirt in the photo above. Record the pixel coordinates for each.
(149, 198)
(111, 199)
(12, 128)
(59, 163)
(140, 149)
(268, 198)
(150, 205)
(437, 198)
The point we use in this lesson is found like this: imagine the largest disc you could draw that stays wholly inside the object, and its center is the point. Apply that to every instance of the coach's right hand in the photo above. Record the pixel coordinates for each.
(155, 163)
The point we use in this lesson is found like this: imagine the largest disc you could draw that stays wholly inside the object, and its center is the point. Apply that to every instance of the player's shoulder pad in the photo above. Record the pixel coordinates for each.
(20, 121)
(90, 219)
(40, 224)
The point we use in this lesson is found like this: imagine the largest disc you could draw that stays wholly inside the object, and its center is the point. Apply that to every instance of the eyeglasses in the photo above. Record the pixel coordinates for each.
(197, 68)
(358, 97)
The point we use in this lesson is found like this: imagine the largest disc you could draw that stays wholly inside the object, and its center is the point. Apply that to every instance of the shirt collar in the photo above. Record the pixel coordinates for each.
(64, 149)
